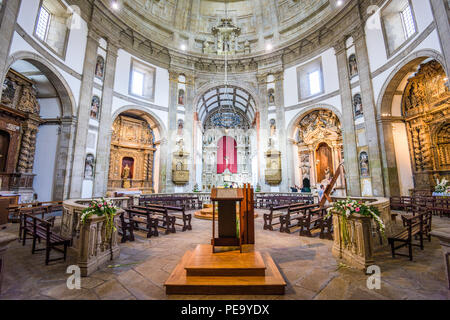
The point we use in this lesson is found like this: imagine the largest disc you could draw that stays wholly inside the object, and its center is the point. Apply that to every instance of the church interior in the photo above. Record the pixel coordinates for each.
(232, 149)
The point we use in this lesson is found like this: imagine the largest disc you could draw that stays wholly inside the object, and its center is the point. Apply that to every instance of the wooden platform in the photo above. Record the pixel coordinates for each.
(204, 263)
(198, 262)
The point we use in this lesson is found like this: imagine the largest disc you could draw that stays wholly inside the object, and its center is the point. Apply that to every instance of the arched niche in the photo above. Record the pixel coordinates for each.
(399, 155)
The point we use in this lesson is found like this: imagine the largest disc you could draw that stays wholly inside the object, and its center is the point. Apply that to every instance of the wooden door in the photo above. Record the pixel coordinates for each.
(4, 146)
(324, 160)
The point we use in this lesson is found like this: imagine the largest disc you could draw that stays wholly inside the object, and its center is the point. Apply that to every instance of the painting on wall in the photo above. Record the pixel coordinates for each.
(357, 105)
(352, 65)
(364, 164)
(95, 108)
(181, 97)
(100, 67)
(89, 166)
(271, 96)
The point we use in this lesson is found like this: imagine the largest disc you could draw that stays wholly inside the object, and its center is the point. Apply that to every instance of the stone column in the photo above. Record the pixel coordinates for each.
(390, 172)
(263, 130)
(259, 23)
(348, 123)
(105, 131)
(370, 113)
(163, 155)
(172, 128)
(188, 130)
(281, 129)
(87, 84)
(8, 18)
(441, 17)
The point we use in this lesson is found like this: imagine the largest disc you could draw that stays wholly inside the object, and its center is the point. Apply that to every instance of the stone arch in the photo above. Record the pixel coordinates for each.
(304, 111)
(387, 92)
(202, 90)
(162, 130)
(385, 109)
(68, 104)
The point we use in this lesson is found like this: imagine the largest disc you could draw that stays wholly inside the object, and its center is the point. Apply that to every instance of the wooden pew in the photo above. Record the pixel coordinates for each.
(416, 226)
(41, 230)
(268, 217)
(140, 220)
(295, 212)
(186, 218)
(312, 219)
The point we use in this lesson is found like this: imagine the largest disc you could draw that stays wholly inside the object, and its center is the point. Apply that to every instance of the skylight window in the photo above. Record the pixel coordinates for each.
(408, 22)
(137, 83)
(315, 86)
(43, 23)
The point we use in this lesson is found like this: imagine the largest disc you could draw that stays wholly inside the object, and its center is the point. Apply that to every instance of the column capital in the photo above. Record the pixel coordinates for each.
(173, 75)
(113, 48)
(358, 32)
(339, 46)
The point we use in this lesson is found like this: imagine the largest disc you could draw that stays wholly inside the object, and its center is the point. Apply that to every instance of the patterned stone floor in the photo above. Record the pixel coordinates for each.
(306, 263)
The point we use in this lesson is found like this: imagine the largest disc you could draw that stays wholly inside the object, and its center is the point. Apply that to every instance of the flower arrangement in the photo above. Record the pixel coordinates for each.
(196, 188)
(101, 208)
(441, 186)
(348, 208)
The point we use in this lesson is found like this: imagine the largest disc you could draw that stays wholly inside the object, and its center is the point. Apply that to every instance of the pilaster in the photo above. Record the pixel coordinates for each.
(348, 122)
(441, 13)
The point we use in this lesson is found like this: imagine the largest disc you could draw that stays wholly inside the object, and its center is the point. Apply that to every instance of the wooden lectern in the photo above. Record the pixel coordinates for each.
(235, 226)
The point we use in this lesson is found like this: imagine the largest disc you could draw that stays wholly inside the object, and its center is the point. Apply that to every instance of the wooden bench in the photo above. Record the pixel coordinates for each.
(34, 211)
(295, 212)
(269, 217)
(139, 220)
(312, 219)
(126, 228)
(416, 226)
(42, 230)
(326, 227)
(186, 218)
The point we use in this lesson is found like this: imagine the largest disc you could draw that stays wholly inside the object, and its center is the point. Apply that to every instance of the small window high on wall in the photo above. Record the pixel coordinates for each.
(51, 25)
(142, 80)
(310, 80)
(399, 24)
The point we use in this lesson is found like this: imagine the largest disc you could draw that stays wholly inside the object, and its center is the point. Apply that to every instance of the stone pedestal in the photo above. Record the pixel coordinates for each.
(93, 248)
(5, 239)
(89, 239)
(444, 237)
(358, 252)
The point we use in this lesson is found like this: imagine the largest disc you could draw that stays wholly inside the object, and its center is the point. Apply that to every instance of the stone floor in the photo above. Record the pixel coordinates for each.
(307, 265)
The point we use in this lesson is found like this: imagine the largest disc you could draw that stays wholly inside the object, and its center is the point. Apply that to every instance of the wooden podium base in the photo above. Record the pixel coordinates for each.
(202, 272)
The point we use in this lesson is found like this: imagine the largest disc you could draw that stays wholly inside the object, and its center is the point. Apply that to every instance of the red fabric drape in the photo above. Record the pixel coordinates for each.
(226, 155)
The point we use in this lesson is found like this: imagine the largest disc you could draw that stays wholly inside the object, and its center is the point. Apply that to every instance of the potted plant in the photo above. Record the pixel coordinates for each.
(102, 208)
(441, 186)
(258, 188)
(348, 208)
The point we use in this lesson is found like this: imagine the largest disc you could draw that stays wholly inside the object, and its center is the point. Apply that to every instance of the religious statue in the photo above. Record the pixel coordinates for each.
(328, 174)
(180, 127)
(95, 107)
(126, 176)
(181, 97)
(364, 164)
(271, 94)
(352, 65)
(357, 105)
(99, 67)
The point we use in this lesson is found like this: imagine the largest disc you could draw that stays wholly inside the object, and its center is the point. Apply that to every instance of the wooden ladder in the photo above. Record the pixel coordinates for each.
(330, 186)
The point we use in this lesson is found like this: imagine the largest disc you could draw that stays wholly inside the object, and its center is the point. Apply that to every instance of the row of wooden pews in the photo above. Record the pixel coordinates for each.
(150, 217)
(437, 205)
(188, 202)
(268, 201)
(304, 215)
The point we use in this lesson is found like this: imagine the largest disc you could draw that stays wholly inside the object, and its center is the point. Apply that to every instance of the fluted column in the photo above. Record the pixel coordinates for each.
(370, 112)
(105, 127)
(87, 84)
(8, 20)
(348, 123)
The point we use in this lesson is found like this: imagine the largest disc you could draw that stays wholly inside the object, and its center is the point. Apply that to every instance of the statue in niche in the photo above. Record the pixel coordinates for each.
(89, 167)
(328, 174)
(352, 65)
(181, 97)
(180, 127)
(179, 166)
(126, 176)
(271, 95)
(9, 91)
(357, 105)
(364, 164)
(180, 144)
(100, 67)
(206, 48)
(95, 108)
(273, 127)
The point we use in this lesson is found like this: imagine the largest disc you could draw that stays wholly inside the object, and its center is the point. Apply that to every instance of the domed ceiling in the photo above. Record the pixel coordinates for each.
(187, 24)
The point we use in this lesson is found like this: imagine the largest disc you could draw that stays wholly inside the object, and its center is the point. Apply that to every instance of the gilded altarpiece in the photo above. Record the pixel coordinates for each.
(19, 124)
(132, 155)
(319, 143)
(425, 106)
